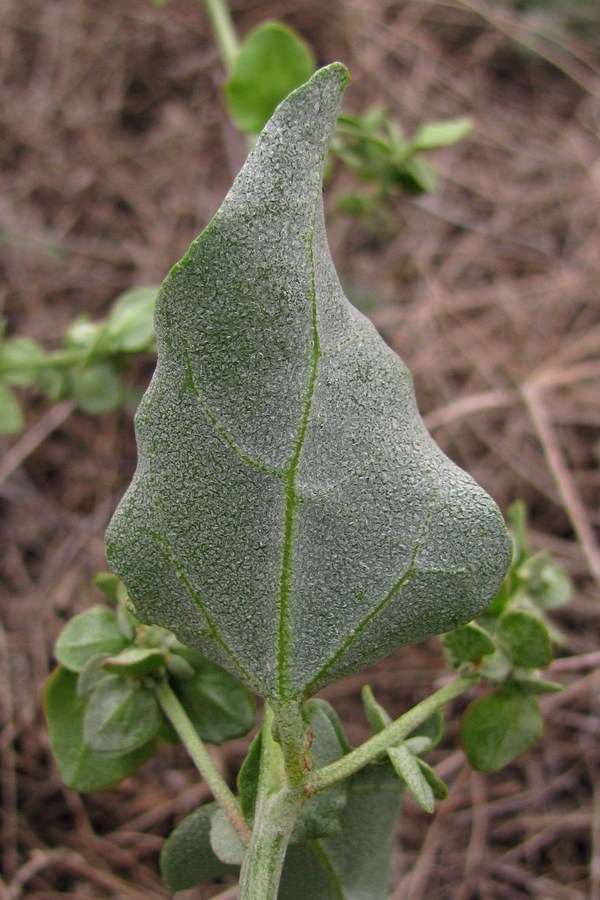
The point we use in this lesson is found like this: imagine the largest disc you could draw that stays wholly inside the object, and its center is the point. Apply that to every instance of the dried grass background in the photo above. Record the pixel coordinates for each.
(115, 153)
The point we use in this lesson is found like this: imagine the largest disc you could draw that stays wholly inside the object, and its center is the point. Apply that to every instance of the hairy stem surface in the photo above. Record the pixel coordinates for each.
(196, 747)
(278, 805)
(393, 734)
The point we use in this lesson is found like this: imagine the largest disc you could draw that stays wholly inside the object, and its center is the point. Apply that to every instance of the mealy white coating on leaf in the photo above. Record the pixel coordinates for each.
(290, 516)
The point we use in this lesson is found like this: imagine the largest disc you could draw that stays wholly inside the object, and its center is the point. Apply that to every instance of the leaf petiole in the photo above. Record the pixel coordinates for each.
(196, 747)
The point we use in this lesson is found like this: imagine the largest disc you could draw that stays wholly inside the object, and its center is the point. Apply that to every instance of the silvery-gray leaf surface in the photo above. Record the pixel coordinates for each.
(290, 516)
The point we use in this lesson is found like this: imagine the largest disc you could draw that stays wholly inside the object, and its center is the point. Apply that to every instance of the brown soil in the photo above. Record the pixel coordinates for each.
(115, 152)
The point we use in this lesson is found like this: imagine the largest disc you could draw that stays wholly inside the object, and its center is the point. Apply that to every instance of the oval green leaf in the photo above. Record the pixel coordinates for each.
(438, 787)
(90, 676)
(136, 661)
(111, 586)
(290, 516)
(120, 717)
(432, 135)
(94, 632)
(81, 769)
(130, 324)
(526, 639)
(225, 841)
(468, 643)
(218, 706)
(498, 728)
(187, 858)
(376, 715)
(97, 388)
(11, 417)
(272, 61)
(20, 359)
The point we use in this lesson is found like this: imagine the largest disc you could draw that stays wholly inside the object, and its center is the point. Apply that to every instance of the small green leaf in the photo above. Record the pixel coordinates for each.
(432, 728)
(498, 728)
(187, 858)
(54, 383)
(417, 745)
(91, 633)
(497, 667)
(546, 583)
(90, 676)
(120, 716)
(81, 769)
(320, 815)
(516, 516)
(155, 636)
(353, 204)
(272, 61)
(468, 643)
(225, 841)
(376, 715)
(136, 661)
(11, 417)
(97, 388)
(329, 712)
(526, 639)
(529, 682)
(19, 359)
(130, 324)
(82, 333)
(432, 135)
(111, 586)
(415, 176)
(128, 624)
(248, 778)
(219, 707)
(409, 771)
(438, 787)
(179, 667)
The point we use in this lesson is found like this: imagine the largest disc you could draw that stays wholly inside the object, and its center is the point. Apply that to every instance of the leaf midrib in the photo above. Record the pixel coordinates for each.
(291, 494)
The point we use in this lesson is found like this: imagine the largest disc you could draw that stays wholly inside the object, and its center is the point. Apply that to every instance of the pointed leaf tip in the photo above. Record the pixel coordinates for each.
(290, 517)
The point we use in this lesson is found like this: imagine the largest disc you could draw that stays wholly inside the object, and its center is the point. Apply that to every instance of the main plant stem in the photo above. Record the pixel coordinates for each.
(278, 804)
(285, 782)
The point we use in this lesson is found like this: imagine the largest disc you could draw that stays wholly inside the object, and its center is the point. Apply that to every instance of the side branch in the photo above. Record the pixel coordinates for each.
(393, 734)
(195, 746)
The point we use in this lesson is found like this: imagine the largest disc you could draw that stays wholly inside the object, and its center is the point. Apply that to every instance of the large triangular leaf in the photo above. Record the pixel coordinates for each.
(290, 516)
